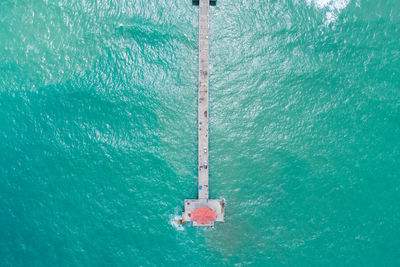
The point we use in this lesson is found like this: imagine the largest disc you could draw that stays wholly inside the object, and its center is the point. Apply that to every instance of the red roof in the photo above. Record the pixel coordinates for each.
(203, 215)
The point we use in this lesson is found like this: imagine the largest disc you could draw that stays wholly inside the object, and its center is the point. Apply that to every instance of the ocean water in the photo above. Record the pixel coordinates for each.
(98, 133)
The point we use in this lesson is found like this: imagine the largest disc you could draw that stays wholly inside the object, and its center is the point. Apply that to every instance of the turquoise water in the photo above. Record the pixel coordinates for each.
(98, 133)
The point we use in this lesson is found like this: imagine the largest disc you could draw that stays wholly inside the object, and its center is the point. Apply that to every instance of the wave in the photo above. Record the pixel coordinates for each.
(333, 8)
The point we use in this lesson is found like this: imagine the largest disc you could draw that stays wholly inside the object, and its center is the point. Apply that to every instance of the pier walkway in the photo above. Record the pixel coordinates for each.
(203, 211)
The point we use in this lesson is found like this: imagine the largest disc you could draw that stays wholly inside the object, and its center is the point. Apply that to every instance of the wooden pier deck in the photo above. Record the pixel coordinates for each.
(203, 116)
(204, 43)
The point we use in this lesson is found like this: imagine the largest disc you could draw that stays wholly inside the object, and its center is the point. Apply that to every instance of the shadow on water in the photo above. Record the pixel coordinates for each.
(262, 203)
(78, 152)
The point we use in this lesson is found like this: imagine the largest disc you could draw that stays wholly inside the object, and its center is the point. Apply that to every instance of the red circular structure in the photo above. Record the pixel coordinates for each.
(203, 215)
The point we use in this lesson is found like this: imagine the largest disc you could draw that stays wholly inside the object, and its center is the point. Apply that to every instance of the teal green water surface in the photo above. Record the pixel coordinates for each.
(98, 132)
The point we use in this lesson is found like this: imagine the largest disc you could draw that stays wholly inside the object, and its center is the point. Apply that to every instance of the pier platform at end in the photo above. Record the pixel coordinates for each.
(204, 212)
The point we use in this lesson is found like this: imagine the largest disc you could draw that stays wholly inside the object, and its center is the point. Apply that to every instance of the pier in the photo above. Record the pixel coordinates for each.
(203, 211)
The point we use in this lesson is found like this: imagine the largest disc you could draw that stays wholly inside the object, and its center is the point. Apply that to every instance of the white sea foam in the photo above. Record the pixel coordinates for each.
(173, 220)
(332, 8)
